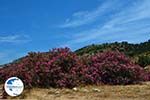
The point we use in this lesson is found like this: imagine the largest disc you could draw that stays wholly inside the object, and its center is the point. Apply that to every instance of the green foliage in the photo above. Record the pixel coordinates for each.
(144, 60)
(125, 47)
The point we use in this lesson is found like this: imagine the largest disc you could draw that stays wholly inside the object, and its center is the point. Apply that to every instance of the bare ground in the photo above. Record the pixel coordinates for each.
(103, 92)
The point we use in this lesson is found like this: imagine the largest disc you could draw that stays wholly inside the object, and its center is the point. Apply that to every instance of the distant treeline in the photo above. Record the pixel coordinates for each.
(125, 47)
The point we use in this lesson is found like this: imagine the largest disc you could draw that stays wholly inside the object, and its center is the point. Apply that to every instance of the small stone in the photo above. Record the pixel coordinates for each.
(75, 89)
(96, 90)
(85, 90)
(57, 92)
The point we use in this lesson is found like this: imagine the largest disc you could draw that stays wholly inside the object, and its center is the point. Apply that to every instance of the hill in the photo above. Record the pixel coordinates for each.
(125, 47)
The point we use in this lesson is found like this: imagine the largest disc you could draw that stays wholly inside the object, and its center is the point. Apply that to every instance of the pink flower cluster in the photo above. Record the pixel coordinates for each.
(56, 68)
(113, 68)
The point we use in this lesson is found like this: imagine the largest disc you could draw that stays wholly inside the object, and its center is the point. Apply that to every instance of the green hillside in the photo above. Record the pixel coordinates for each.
(125, 47)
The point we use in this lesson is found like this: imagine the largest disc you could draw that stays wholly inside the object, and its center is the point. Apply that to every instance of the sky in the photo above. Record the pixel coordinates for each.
(40, 25)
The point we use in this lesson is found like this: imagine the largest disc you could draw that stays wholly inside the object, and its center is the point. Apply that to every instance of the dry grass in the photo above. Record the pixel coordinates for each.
(104, 92)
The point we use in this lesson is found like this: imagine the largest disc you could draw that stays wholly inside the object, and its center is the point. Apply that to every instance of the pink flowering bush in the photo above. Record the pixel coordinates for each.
(57, 68)
(147, 76)
(113, 68)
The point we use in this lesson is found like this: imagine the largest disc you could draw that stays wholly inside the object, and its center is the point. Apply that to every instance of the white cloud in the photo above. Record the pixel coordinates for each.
(133, 14)
(85, 17)
(15, 39)
(125, 25)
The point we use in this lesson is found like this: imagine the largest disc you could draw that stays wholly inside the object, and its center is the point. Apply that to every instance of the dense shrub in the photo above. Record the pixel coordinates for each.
(113, 68)
(148, 76)
(147, 69)
(57, 68)
(144, 60)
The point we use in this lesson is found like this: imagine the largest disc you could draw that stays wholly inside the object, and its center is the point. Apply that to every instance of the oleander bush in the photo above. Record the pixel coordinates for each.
(57, 68)
(63, 68)
(113, 68)
(147, 69)
(148, 76)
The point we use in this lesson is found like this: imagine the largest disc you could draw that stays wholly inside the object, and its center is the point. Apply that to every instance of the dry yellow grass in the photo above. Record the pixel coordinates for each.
(104, 92)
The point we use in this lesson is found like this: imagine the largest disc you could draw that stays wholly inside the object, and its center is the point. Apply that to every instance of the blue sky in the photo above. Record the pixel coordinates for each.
(39, 25)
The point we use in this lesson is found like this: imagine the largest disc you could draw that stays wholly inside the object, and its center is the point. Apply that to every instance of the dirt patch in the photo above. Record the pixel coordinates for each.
(103, 92)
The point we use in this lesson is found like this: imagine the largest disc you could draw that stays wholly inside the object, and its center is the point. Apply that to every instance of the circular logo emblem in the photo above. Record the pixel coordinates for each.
(14, 86)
